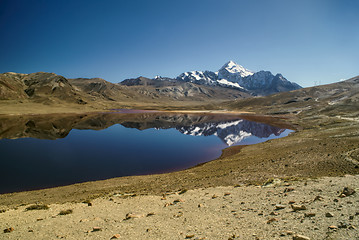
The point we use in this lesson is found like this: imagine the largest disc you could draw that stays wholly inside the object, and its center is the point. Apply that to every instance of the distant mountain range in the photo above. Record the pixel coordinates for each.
(235, 76)
(231, 82)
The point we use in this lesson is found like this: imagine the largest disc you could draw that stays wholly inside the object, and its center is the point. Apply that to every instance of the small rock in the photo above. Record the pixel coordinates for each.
(96, 229)
(190, 236)
(333, 227)
(288, 189)
(328, 214)
(182, 191)
(150, 214)
(296, 207)
(318, 198)
(274, 213)
(133, 215)
(8, 230)
(89, 204)
(178, 200)
(180, 214)
(84, 220)
(227, 194)
(343, 225)
(116, 236)
(291, 202)
(309, 214)
(289, 232)
(200, 205)
(300, 237)
(163, 198)
(214, 196)
(347, 191)
(272, 220)
(279, 206)
(351, 217)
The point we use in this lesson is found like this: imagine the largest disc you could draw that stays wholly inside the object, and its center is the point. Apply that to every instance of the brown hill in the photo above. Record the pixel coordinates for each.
(332, 99)
(12, 86)
(38, 87)
(179, 90)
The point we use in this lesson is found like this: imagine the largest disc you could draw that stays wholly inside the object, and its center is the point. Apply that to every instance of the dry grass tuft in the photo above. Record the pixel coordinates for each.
(66, 212)
(37, 207)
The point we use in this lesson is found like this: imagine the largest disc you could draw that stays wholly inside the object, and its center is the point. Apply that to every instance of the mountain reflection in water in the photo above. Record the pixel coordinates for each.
(61, 149)
(229, 128)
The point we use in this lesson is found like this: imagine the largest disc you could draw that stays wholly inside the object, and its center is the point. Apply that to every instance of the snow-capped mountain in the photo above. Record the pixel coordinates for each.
(199, 77)
(233, 72)
(233, 75)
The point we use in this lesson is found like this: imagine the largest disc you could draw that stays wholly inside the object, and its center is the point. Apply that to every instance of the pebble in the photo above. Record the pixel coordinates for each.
(288, 189)
(298, 207)
(347, 191)
(96, 229)
(133, 215)
(333, 227)
(116, 236)
(309, 214)
(178, 200)
(328, 214)
(190, 236)
(300, 237)
(8, 230)
(272, 220)
(279, 206)
(318, 198)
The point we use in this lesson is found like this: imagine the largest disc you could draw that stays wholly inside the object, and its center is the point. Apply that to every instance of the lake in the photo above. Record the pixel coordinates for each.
(60, 149)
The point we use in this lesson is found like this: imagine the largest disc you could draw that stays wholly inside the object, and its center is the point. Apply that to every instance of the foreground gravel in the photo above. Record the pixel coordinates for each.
(312, 209)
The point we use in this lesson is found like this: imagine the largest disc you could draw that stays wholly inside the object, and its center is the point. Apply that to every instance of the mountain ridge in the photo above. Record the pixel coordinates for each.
(233, 75)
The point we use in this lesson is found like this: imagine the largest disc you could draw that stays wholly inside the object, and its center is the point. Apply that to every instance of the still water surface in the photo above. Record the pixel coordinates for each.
(39, 152)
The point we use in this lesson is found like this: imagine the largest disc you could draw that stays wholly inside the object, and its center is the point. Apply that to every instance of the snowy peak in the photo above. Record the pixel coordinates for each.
(200, 77)
(233, 75)
(234, 68)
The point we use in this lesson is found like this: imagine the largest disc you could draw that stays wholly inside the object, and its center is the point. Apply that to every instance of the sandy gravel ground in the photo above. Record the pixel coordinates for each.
(237, 212)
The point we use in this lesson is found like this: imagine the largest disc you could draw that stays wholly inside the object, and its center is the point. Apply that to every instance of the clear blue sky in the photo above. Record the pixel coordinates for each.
(308, 41)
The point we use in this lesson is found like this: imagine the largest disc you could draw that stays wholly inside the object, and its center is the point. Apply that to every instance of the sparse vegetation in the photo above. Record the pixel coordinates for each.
(37, 207)
(66, 212)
